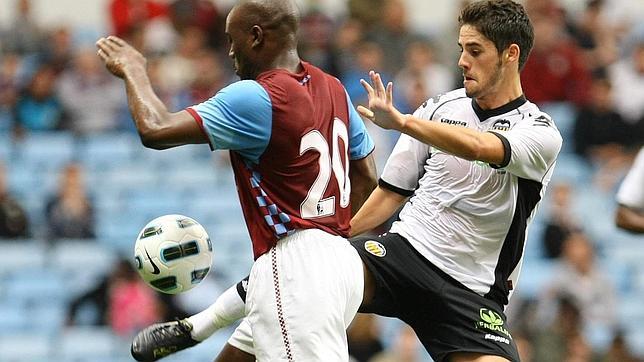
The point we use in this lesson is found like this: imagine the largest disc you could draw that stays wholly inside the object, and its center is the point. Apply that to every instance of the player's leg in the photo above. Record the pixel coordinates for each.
(233, 354)
(240, 346)
(474, 357)
(302, 296)
(459, 319)
(162, 339)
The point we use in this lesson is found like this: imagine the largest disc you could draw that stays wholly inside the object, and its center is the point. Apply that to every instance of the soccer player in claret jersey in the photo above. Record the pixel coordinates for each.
(297, 145)
(469, 169)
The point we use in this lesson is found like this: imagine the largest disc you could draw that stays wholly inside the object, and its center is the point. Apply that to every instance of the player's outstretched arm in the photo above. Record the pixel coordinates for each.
(458, 141)
(378, 208)
(629, 219)
(157, 127)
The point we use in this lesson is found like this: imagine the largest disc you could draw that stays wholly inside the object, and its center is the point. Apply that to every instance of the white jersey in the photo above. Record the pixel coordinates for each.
(469, 218)
(631, 191)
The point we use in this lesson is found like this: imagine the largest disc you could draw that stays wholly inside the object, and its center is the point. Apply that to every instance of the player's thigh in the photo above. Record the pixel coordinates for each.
(242, 338)
(474, 357)
(302, 296)
(233, 354)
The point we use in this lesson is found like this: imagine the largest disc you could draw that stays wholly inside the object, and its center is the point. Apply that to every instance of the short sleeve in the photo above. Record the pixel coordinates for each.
(406, 164)
(360, 142)
(237, 118)
(532, 146)
(631, 191)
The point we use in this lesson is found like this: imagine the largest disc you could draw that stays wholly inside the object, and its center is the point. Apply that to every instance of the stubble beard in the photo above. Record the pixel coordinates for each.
(487, 87)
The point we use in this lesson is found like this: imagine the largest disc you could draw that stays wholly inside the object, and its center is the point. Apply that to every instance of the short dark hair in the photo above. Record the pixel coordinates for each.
(504, 22)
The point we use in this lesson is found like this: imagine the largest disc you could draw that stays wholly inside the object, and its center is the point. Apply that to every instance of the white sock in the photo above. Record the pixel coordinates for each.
(228, 308)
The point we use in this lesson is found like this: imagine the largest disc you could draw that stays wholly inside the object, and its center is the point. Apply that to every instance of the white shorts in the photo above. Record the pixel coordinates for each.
(302, 296)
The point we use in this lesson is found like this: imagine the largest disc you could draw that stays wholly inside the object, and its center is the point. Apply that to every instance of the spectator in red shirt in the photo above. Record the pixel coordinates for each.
(127, 14)
(555, 70)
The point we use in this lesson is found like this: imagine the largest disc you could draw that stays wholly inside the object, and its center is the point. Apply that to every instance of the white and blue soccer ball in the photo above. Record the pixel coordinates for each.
(173, 253)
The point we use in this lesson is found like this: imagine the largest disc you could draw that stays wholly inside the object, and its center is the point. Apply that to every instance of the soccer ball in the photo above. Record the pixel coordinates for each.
(173, 253)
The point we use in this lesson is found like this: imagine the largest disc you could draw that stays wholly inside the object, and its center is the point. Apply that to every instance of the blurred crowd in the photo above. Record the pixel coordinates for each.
(52, 81)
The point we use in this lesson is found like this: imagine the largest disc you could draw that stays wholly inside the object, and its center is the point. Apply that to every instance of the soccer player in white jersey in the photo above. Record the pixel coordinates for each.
(630, 211)
(470, 168)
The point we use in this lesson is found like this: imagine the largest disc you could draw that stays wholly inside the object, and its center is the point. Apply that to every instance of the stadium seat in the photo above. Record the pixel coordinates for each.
(535, 273)
(129, 177)
(6, 148)
(81, 257)
(563, 114)
(105, 151)
(13, 317)
(88, 344)
(25, 347)
(21, 255)
(47, 150)
(572, 169)
(35, 285)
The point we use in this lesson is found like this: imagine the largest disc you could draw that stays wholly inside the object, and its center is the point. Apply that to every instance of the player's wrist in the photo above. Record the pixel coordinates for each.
(404, 122)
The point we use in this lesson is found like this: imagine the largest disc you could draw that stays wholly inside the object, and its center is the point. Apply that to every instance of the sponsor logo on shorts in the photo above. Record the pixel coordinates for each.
(491, 321)
(375, 248)
(496, 338)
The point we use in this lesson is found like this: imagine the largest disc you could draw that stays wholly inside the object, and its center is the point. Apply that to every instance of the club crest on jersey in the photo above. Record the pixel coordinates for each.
(375, 248)
(501, 125)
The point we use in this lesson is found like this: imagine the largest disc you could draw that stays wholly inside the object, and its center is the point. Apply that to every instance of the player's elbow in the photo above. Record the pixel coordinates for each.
(151, 140)
(622, 219)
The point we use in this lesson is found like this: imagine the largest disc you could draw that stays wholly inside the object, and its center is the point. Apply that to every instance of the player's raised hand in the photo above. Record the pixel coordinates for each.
(119, 56)
(381, 110)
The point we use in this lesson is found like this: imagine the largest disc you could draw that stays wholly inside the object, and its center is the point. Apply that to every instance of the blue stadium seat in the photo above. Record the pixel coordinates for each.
(106, 151)
(25, 347)
(572, 169)
(36, 285)
(47, 317)
(21, 255)
(535, 273)
(563, 114)
(81, 257)
(47, 150)
(173, 157)
(88, 344)
(129, 177)
(6, 148)
(13, 317)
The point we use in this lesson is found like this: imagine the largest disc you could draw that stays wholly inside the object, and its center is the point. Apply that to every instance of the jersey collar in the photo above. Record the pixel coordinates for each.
(484, 114)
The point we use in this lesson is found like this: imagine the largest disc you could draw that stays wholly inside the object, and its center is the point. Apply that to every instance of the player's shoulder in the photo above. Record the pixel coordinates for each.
(532, 116)
(242, 88)
(442, 102)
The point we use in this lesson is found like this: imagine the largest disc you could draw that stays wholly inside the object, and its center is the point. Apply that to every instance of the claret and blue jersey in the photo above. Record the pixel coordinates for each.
(291, 138)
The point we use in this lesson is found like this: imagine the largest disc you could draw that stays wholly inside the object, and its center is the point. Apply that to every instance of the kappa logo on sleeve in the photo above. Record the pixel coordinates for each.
(375, 248)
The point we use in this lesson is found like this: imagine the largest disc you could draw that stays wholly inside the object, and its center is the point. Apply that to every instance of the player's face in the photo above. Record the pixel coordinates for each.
(480, 61)
(240, 50)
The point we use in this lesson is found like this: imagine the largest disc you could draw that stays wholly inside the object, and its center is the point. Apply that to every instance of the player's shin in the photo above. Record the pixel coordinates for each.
(228, 308)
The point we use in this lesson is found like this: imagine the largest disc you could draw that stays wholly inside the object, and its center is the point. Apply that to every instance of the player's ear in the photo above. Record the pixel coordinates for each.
(257, 34)
(512, 53)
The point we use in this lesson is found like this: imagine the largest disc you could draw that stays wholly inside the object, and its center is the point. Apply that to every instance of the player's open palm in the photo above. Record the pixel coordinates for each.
(381, 110)
(119, 56)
